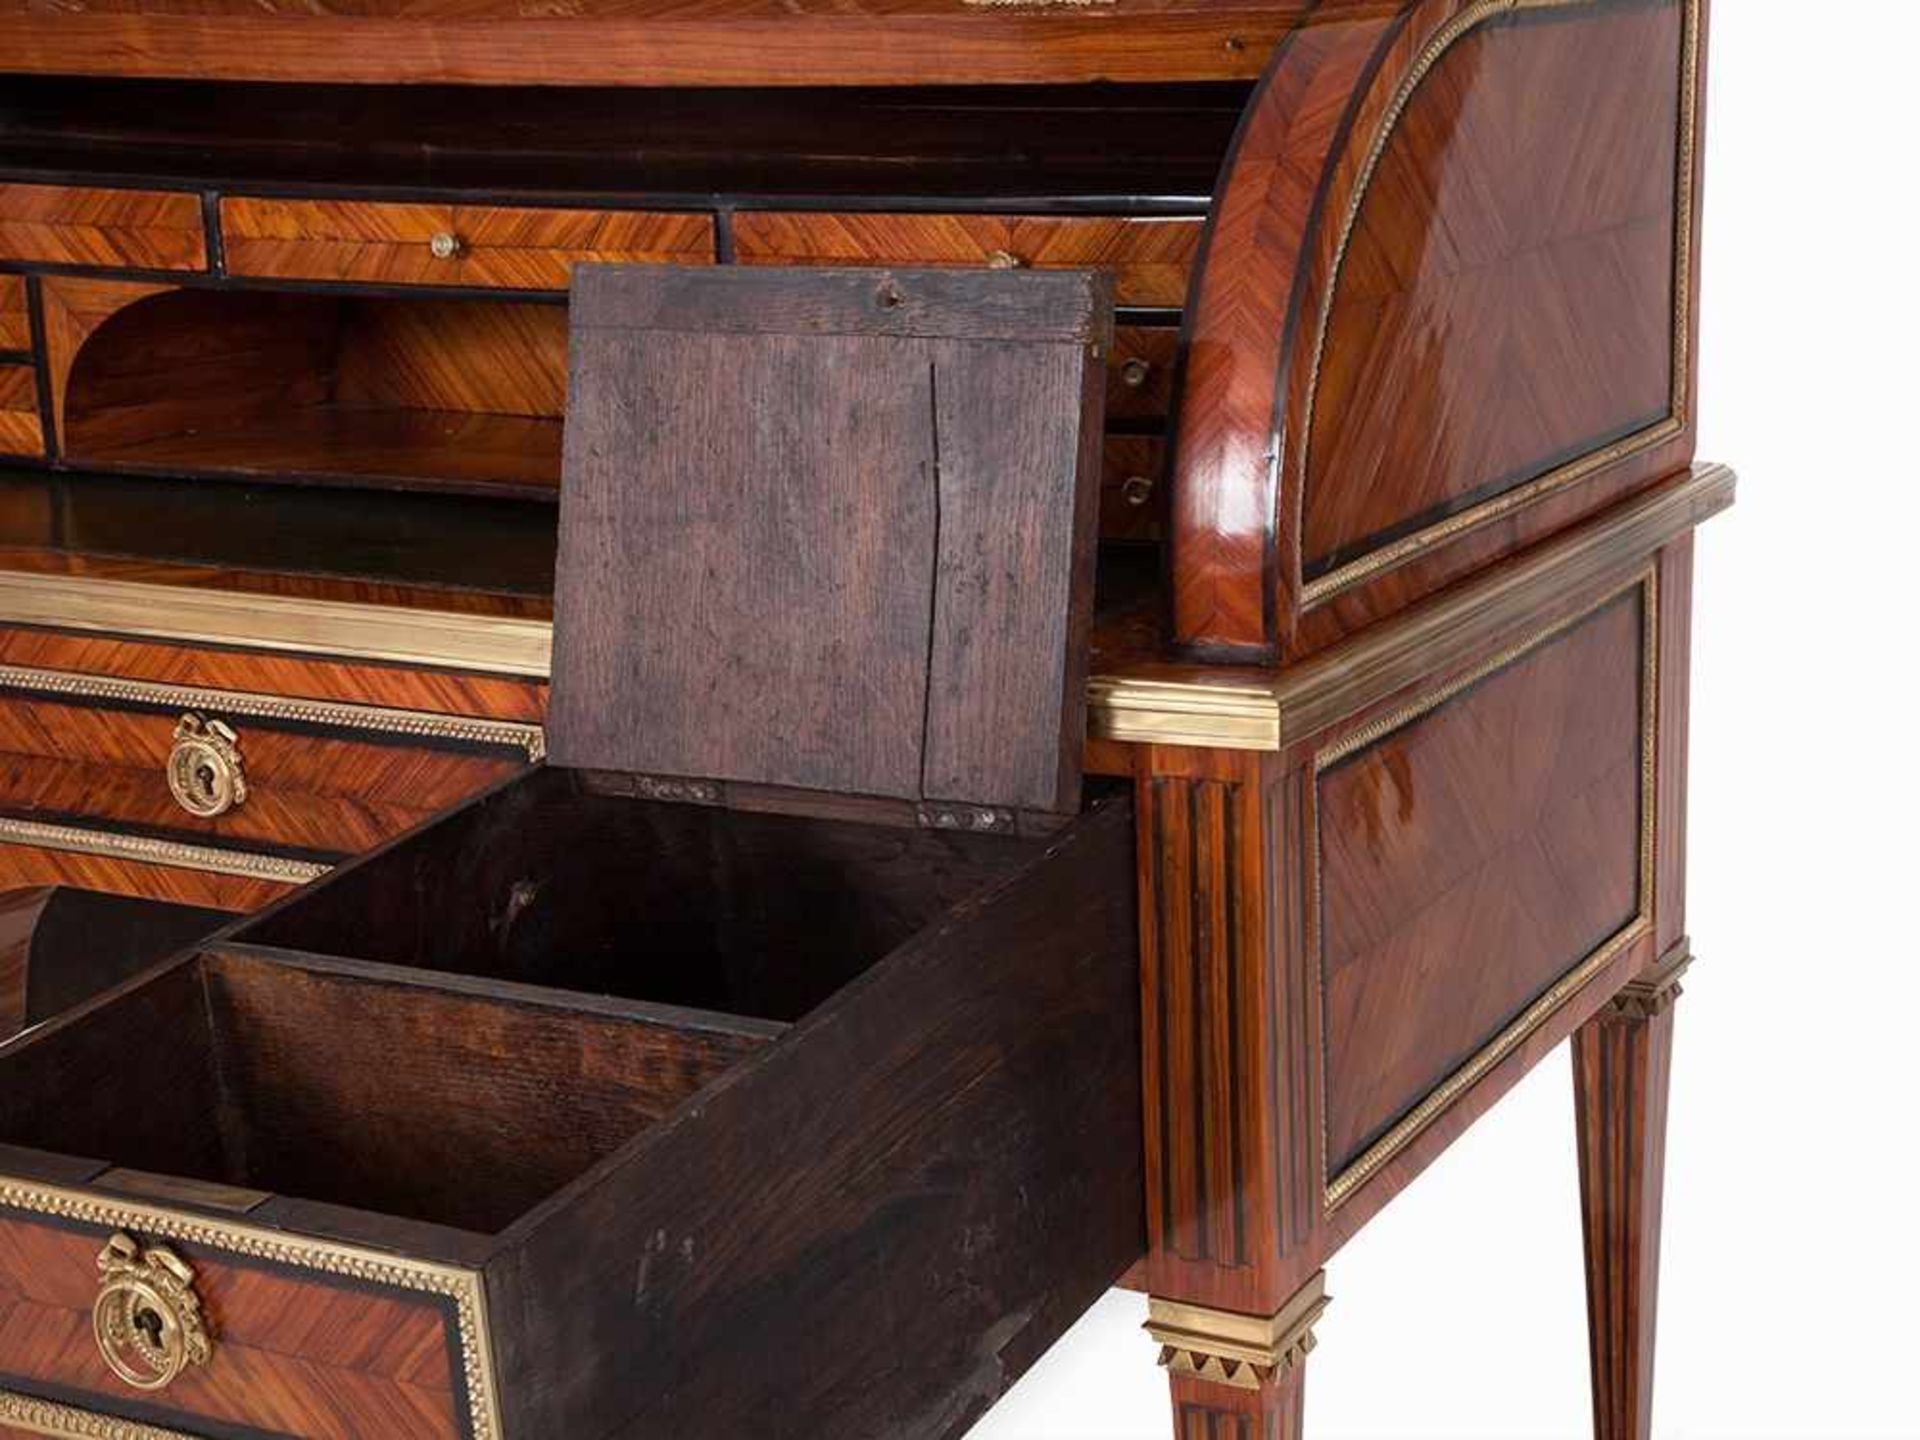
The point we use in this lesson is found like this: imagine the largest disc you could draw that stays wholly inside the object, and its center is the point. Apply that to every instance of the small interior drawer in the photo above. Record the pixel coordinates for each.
(686, 1121)
(1151, 259)
(325, 789)
(109, 228)
(20, 432)
(1140, 371)
(491, 246)
(1132, 495)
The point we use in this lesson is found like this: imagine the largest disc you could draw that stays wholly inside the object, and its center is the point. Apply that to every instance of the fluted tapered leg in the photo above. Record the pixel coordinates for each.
(1203, 1410)
(1621, 1062)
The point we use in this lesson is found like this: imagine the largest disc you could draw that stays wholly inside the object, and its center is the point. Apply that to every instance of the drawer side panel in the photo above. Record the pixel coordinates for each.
(1476, 853)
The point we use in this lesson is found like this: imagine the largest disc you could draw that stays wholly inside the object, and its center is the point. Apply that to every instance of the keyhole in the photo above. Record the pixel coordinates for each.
(148, 1323)
(203, 776)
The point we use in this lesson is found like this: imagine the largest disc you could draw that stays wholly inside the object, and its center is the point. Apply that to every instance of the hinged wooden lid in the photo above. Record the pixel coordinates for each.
(831, 531)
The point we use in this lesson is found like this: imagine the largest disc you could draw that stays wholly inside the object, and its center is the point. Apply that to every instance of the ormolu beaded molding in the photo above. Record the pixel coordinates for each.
(1529, 1021)
(64, 1422)
(412, 724)
(1398, 552)
(464, 1288)
(147, 850)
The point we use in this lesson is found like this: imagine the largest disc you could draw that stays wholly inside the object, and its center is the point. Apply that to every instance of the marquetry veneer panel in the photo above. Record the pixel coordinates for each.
(116, 229)
(1504, 305)
(494, 246)
(297, 1355)
(19, 411)
(1470, 858)
(1151, 259)
(16, 331)
(333, 794)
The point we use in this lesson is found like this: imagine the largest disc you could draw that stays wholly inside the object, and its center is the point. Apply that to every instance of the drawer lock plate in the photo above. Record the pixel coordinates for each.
(204, 771)
(147, 1319)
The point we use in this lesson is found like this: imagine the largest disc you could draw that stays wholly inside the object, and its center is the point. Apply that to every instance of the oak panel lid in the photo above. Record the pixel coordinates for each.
(831, 531)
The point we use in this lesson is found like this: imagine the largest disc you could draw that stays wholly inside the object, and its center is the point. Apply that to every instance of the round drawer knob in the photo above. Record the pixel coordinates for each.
(1137, 490)
(146, 1319)
(204, 771)
(1005, 260)
(446, 245)
(1134, 373)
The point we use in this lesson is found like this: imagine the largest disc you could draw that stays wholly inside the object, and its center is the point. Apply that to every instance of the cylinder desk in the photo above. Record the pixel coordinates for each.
(706, 706)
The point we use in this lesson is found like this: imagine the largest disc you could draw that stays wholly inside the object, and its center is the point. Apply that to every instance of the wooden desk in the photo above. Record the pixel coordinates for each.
(1396, 493)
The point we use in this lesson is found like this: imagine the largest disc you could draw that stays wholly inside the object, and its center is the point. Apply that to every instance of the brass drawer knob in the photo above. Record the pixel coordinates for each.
(204, 771)
(147, 1320)
(1137, 490)
(1004, 260)
(1134, 374)
(446, 245)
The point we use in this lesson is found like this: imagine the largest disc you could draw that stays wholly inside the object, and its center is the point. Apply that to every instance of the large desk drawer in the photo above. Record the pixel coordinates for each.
(490, 246)
(111, 229)
(1151, 259)
(237, 769)
(665, 1120)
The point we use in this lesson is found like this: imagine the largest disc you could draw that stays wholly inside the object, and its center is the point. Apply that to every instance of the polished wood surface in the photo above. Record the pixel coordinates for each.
(1150, 259)
(1331, 215)
(655, 42)
(20, 411)
(940, 429)
(1205, 1411)
(323, 795)
(291, 677)
(30, 865)
(1622, 1066)
(119, 229)
(16, 334)
(72, 308)
(1469, 860)
(493, 246)
(1528, 317)
(299, 1355)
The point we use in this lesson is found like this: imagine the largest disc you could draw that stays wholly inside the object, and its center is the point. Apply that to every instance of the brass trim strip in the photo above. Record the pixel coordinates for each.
(64, 1422)
(418, 724)
(1522, 1027)
(465, 1288)
(1177, 712)
(146, 850)
(443, 639)
(1398, 552)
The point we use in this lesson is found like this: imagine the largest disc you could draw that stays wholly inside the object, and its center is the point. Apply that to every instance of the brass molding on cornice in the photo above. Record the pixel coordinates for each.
(1243, 1351)
(442, 639)
(33, 1416)
(1227, 711)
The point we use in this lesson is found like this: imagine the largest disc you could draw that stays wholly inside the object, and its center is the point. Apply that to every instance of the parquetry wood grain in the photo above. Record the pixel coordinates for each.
(19, 411)
(15, 331)
(1150, 259)
(1471, 859)
(115, 229)
(296, 1355)
(499, 246)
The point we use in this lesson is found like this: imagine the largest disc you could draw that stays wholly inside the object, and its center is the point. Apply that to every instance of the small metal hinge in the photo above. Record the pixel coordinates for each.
(981, 819)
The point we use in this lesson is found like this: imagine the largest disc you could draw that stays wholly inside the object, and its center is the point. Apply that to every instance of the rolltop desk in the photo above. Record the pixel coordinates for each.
(1362, 731)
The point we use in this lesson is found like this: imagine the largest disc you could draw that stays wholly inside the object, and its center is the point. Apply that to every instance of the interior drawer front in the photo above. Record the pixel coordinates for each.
(1132, 500)
(329, 791)
(495, 247)
(112, 229)
(19, 411)
(1151, 259)
(292, 1350)
(16, 331)
(1140, 372)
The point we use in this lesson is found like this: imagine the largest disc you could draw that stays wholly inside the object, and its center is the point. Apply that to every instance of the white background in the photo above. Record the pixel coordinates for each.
(1792, 1256)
